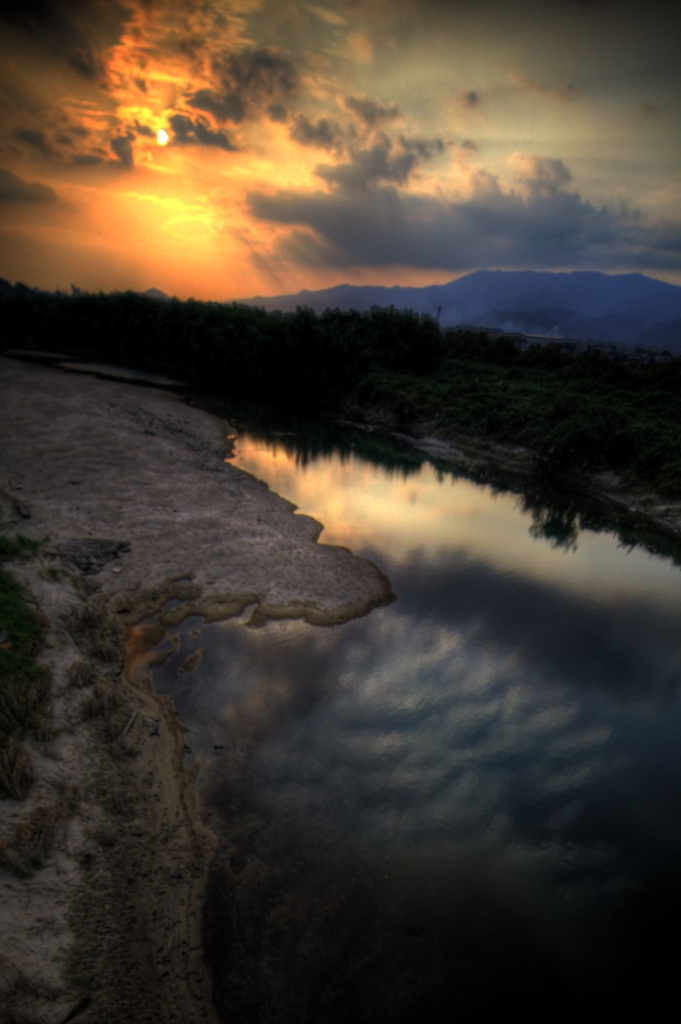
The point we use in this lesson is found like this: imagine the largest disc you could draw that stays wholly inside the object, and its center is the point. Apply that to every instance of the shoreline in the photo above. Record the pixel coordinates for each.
(602, 499)
(146, 521)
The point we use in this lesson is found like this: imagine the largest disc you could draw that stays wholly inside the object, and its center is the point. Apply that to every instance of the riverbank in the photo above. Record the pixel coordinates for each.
(601, 499)
(136, 511)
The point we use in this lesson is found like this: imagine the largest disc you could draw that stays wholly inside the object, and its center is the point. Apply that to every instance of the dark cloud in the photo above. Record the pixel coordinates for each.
(87, 160)
(86, 63)
(424, 148)
(229, 107)
(565, 92)
(122, 147)
(14, 190)
(470, 98)
(368, 167)
(250, 81)
(539, 224)
(144, 129)
(650, 109)
(324, 133)
(196, 133)
(34, 138)
(278, 112)
(541, 175)
(76, 30)
(369, 112)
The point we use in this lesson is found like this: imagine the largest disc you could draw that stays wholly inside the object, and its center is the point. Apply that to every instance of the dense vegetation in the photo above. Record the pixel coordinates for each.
(588, 410)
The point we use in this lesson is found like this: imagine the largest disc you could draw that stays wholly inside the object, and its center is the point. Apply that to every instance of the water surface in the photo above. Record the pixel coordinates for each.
(463, 804)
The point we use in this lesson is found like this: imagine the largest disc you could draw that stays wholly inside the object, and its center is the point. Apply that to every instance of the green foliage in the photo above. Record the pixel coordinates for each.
(575, 411)
(17, 547)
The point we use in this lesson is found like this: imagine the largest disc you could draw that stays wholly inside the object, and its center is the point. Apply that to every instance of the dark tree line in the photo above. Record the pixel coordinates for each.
(586, 410)
(294, 358)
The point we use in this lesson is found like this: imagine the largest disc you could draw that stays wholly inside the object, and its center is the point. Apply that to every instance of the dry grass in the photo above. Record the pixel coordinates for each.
(82, 674)
(30, 843)
(25, 702)
(16, 775)
(102, 703)
(97, 635)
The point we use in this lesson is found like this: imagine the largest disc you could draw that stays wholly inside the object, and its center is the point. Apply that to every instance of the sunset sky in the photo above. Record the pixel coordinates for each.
(228, 148)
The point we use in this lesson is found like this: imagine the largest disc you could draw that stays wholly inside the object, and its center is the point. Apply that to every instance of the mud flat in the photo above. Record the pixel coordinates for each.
(142, 523)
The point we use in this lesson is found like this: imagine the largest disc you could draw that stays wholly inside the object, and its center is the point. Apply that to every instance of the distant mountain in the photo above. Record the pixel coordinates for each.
(628, 309)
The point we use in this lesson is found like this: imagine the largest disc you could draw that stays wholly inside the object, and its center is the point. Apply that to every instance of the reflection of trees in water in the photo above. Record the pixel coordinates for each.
(557, 526)
(306, 438)
(557, 515)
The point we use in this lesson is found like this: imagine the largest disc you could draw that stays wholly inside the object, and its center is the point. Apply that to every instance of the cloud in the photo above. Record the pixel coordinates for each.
(424, 148)
(565, 92)
(361, 48)
(470, 98)
(196, 133)
(86, 63)
(324, 133)
(14, 190)
(34, 138)
(369, 112)
(248, 81)
(77, 31)
(365, 220)
(540, 175)
(144, 129)
(367, 167)
(330, 17)
(651, 109)
(278, 113)
(223, 107)
(122, 147)
(87, 160)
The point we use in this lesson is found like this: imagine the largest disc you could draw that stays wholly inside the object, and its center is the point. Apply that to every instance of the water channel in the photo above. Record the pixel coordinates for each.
(461, 805)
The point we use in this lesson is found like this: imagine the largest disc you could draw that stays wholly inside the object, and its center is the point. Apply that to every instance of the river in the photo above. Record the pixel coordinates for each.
(462, 805)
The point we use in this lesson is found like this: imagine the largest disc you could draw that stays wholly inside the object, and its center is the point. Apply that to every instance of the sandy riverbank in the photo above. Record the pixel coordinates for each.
(110, 924)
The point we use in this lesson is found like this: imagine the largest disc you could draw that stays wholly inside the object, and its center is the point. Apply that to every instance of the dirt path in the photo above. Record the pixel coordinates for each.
(140, 508)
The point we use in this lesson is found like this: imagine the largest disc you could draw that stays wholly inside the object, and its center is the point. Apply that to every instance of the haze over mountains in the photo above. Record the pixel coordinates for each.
(627, 309)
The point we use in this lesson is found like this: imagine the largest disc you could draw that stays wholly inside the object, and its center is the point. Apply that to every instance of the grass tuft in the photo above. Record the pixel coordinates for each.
(15, 769)
(25, 702)
(18, 547)
(30, 843)
(83, 674)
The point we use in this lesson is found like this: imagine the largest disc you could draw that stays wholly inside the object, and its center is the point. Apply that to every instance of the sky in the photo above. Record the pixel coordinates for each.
(223, 149)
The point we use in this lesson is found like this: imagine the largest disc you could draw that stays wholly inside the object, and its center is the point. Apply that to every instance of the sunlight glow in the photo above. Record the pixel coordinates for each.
(162, 137)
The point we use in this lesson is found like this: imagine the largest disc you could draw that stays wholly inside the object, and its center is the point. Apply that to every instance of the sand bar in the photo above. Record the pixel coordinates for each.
(142, 513)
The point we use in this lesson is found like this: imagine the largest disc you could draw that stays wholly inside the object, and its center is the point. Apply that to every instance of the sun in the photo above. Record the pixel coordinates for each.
(162, 137)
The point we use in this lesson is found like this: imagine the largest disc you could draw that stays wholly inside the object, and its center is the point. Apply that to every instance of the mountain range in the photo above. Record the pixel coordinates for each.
(626, 309)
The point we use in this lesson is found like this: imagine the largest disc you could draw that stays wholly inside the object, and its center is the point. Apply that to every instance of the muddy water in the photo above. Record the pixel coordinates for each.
(464, 804)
